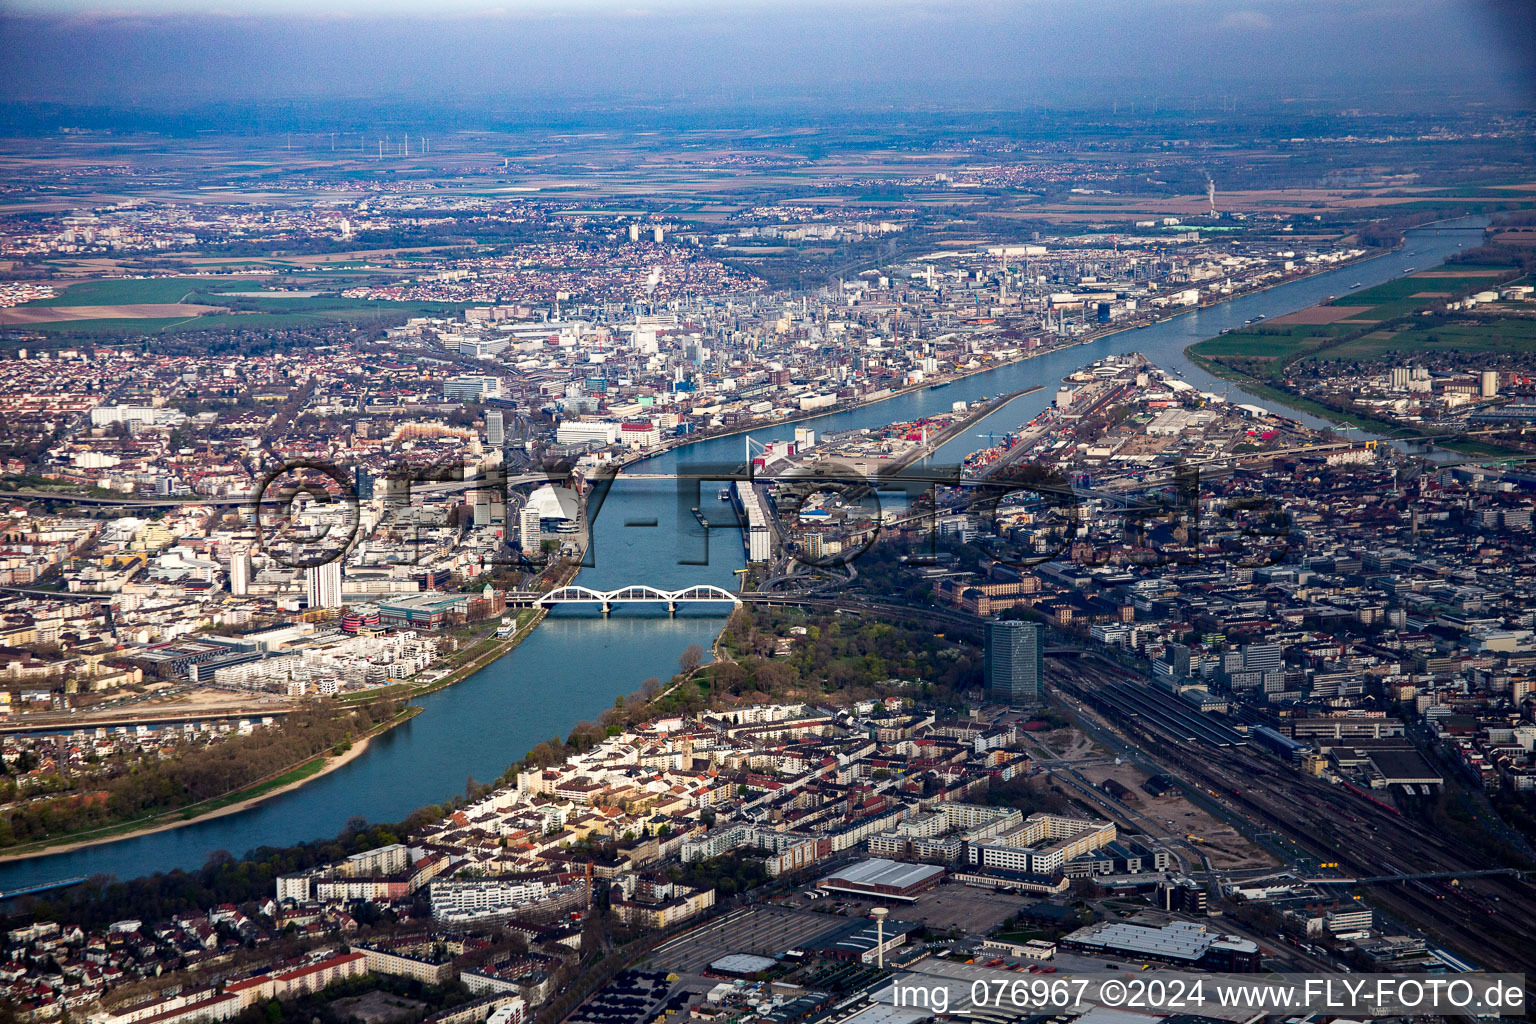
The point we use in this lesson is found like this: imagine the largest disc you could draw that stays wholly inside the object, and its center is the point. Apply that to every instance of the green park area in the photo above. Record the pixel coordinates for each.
(1262, 352)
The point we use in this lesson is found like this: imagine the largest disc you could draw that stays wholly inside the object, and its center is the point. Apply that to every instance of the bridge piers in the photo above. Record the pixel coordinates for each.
(607, 608)
(672, 608)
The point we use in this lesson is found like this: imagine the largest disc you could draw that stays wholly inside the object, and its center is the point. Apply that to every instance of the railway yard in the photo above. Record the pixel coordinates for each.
(1310, 822)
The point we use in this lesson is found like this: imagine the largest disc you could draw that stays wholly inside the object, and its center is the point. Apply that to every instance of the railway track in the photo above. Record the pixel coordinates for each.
(1338, 826)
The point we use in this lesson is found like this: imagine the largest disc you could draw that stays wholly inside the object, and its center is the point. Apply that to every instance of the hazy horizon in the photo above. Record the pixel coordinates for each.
(161, 55)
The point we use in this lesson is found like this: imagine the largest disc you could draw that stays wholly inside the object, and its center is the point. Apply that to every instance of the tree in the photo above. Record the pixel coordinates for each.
(692, 657)
(772, 677)
(729, 677)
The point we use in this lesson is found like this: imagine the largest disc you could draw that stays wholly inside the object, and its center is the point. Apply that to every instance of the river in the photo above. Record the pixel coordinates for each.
(575, 663)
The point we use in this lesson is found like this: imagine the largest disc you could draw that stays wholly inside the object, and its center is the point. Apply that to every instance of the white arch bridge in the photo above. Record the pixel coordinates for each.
(638, 593)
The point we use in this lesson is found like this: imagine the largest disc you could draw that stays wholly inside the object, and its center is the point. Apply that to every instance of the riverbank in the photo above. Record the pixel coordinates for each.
(1385, 430)
(283, 782)
(972, 416)
(235, 802)
(502, 646)
(865, 403)
(496, 648)
(944, 381)
(1270, 382)
(573, 665)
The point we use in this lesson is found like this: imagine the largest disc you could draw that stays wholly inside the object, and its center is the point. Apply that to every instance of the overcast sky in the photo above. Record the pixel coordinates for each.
(1008, 54)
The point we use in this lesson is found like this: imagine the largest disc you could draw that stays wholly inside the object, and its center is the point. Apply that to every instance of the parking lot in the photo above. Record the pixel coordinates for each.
(944, 907)
(766, 930)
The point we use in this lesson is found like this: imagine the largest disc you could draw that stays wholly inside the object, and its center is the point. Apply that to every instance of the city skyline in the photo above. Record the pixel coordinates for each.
(583, 512)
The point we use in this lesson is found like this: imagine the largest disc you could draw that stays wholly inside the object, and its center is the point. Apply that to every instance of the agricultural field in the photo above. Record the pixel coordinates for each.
(1267, 350)
(362, 315)
(1409, 294)
(1505, 334)
(132, 291)
(152, 305)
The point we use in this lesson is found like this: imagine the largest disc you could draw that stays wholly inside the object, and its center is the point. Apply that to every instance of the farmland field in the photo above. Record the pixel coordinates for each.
(129, 291)
(1406, 294)
(151, 305)
(38, 316)
(1504, 335)
(1274, 346)
(362, 314)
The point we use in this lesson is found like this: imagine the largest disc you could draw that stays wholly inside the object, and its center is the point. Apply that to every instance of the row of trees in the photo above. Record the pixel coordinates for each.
(146, 787)
(727, 875)
(222, 879)
(337, 1003)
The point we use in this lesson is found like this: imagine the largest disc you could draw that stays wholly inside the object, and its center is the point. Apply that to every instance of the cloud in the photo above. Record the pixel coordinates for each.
(1247, 21)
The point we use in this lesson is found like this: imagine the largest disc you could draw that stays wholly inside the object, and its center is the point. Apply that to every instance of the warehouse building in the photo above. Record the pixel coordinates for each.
(1002, 879)
(1181, 943)
(887, 879)
(1405, 768)
(861, 941)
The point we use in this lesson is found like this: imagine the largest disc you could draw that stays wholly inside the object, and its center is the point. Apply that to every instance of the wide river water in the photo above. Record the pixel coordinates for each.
(575, 663)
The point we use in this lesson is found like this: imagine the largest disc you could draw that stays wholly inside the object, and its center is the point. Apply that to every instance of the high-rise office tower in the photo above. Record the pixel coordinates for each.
(323, 585)
(495, 428)
(1013, 662)
(240, 572)
(529, 527)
